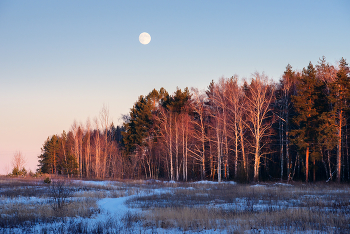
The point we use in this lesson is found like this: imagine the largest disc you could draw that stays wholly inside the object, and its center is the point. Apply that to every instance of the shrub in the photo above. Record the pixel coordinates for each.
(17, 172)
(59, 193)
(47, 180)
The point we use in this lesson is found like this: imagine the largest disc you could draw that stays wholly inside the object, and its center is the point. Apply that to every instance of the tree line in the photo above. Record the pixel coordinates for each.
(294, 129)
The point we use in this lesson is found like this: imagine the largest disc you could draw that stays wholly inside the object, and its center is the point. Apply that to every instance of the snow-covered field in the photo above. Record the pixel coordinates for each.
(153, 206)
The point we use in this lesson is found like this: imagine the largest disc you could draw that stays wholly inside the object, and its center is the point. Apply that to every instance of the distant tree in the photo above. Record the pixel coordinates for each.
(219, 114)
(324, 71)
(284, 110)
(48, 157)
(233, 97)
(18, 163)
(139, 124)
(141, 130)
(340, 98)
(179, 105)
(56, 157)
(327, 126)
(105, 124)
(258, 107)
(97, 149)
(199, 133)
(87, 140)
(77, 131)
(307, 105)
(71, 165)
(18, 160)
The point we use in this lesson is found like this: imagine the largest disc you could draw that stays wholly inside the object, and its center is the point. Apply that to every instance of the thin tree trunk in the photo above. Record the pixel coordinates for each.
(314, 169)
(88, 155)
(81, 153)
(295, 166)
(236, 149)
(97, 150)
(186, 160)
(183, 150)
(212, 170)
(64, 154)
(170, 151)
(257, 156)
(177, 150)
(203, 149)
(219, 153)
(307, 164)
(227, 171)
(325, 166)
(257, 144)
(329, 165)
(339, 147)
(347, 149)
(282, 143)
(244, 157)
(287, 147)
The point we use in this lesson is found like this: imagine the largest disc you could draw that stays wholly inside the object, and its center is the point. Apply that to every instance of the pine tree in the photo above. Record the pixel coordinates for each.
(340, 98)
(141, 129)
(139, 124)
(308, 103)
(49, 156)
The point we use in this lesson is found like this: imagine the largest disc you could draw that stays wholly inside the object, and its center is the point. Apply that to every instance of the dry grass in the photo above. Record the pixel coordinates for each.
(29, 201)
(235, 208)
(16, 213)
(197, 219)
(25, 202)
(268, 207)
(15, 187)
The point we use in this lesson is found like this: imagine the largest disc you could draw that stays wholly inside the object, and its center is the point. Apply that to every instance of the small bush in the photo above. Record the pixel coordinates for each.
(17, 172)
(59, 193)
(47, 180)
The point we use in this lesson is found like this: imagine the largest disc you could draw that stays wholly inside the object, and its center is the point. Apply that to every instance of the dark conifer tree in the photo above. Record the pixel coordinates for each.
(307, 103)
(139, 124)
(340, 98)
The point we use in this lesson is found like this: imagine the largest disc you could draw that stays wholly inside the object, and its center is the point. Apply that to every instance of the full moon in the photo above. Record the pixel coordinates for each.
(144, 38)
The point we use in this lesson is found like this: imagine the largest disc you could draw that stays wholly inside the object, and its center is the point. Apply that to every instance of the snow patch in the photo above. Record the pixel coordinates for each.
(213, 182)
(258, 185)
(282, 184)
(99, 183)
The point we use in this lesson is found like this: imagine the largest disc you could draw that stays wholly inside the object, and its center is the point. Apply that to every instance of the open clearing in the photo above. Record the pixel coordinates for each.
(152, 206)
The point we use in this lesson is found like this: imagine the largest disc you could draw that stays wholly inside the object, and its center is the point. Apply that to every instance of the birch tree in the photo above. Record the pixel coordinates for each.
(284, 105)
(97, 148)
(258, 110)
(18, 163)
(88, 148)
(105, 123)
(199, 132)
(234, 96)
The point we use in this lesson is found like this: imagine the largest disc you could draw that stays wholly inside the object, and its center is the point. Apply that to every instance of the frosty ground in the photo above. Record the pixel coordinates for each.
(153, 206)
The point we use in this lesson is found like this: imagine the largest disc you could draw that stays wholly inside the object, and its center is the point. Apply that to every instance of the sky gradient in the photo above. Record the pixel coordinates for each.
(62, 61)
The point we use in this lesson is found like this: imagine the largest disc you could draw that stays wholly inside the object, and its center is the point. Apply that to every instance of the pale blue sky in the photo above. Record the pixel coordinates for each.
(62, 60)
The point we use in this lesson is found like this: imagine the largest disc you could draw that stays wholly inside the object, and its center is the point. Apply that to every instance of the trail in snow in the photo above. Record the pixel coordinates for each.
(114, 206)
